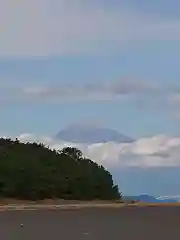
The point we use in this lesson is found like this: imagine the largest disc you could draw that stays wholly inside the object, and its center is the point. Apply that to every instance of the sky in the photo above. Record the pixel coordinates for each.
(113, 63)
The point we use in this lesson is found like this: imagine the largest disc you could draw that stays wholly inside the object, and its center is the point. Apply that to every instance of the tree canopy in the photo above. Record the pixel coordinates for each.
(32, 171)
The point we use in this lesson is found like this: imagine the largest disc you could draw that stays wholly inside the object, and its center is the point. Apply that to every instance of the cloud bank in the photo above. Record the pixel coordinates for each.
(152, 152)
(112, 90)
(58, 27)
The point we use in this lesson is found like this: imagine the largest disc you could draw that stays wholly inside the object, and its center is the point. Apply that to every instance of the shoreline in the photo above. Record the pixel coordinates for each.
(23, 205)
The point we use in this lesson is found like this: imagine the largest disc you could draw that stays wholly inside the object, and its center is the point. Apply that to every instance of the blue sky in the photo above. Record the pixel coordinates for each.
(160, 67)
(114, 63)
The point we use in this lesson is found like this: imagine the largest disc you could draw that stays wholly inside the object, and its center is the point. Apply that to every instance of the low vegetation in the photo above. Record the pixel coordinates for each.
(31, 171)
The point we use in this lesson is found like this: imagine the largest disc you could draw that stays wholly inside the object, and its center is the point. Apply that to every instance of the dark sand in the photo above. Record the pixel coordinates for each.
(141, 223)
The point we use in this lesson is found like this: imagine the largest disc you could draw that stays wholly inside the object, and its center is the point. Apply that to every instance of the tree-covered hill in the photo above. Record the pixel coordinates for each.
(32, 171)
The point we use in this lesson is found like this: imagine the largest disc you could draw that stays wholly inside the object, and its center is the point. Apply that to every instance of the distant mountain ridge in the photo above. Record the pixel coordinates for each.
(149, 199)
(91, 134)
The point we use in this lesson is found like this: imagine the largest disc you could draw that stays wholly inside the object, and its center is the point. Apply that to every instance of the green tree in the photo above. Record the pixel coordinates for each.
(33, 171)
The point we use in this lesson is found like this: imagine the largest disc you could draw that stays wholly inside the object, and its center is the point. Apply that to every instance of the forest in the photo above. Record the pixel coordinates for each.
(32, 171)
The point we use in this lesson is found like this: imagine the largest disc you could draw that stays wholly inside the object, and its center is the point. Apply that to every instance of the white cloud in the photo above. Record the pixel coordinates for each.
(157, 151)
(112, 90)
(52, 27)
(175, 99)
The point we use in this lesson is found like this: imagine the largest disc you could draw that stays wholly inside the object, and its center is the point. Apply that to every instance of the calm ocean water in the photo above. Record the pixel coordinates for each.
(91, 224)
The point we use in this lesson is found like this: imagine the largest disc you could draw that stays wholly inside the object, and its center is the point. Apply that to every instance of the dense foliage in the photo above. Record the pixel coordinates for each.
(33, 171)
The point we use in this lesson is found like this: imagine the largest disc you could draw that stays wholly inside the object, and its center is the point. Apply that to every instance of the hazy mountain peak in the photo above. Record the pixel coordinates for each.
(91, 133)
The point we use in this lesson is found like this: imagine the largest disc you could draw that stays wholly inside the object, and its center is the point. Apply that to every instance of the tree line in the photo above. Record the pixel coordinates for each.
(32, 171)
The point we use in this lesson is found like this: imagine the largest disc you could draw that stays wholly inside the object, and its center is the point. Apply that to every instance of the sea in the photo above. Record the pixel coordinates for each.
(91, 224)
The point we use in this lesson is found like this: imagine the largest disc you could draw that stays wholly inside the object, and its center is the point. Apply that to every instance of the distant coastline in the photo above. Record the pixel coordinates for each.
(59, 204)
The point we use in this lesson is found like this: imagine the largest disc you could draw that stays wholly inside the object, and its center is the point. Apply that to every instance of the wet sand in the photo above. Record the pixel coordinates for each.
(92, 224)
